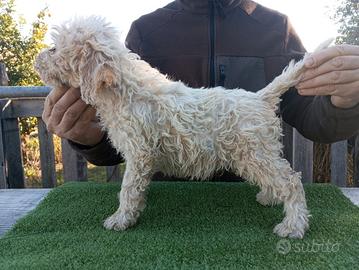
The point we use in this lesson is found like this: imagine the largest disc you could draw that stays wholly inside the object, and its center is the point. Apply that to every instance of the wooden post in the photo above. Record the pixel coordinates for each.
(74, 165)
(4, 81)
(338, 163)
(113, 174)
(356, 161)
(13, 153)
(3, 179)
(303, 157)
(47, 156)
(12, 144)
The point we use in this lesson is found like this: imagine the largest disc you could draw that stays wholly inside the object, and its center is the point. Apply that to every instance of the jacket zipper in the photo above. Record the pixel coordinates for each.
(212, 75)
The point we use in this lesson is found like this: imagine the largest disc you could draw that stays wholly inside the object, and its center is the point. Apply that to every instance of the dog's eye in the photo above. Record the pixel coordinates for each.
(52, 50)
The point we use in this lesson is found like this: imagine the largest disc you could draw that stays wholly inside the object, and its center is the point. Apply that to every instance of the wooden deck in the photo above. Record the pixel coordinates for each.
(352, 194)
(16, 203)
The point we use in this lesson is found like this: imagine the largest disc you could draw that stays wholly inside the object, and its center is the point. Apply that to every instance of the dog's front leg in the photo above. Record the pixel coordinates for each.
(266, 197)
(132, 195)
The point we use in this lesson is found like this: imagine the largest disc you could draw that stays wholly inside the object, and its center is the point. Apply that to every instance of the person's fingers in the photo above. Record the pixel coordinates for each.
(331, 78)
(51, 99)
(89, 115)
(347, 91)
(87, 130)
(342, 102)
(347, 62)
(71, 116)
(333, 71)
(61, 106)
(318, 58)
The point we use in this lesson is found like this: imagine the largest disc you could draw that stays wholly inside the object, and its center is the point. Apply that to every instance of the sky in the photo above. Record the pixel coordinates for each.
(310, 18)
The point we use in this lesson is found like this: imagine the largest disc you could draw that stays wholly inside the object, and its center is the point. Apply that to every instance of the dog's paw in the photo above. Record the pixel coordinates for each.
(265, 199)
(284, 230)
(119, 222)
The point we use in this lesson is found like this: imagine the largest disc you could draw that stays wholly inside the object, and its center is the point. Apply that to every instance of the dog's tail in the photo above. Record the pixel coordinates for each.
(290, 77)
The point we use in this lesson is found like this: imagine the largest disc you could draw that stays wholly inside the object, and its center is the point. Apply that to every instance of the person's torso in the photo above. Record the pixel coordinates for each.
(238, 45)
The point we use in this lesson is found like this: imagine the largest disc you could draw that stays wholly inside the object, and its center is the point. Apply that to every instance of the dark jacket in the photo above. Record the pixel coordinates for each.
(236, 44)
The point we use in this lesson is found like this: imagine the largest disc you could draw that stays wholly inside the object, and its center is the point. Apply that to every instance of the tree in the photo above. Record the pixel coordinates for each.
(18, 52)
(347, 16)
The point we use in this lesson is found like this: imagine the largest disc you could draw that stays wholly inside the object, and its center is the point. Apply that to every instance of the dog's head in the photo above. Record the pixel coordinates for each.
(84, 55)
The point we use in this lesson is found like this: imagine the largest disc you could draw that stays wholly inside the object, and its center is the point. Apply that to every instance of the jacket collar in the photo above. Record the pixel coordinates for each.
(203, 6)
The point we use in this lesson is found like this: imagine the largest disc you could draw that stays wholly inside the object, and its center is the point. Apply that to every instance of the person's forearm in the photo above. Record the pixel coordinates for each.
(102, 154)
(317, 119)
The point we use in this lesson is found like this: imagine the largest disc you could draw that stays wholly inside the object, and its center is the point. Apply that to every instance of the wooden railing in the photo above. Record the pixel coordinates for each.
(17, 102)
(299, 152)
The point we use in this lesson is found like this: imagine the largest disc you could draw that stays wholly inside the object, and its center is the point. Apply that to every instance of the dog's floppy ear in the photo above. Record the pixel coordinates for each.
(97, 71)
(104, 77)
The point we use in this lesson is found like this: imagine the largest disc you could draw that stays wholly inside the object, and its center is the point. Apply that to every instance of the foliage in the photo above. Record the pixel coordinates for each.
(32, 165)
(18, 52)
(31, 158)
(347, 16)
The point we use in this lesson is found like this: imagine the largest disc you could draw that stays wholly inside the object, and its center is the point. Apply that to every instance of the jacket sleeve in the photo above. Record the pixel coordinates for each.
(133, 39)
(103, 154)
(315, 117)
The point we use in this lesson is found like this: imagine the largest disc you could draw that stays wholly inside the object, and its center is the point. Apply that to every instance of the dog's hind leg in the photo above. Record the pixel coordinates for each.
(279, 183)
(295, 222)
(132, 195)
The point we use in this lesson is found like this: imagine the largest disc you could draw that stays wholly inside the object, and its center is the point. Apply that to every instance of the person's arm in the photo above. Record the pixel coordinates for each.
(100, 154)
(313, 114)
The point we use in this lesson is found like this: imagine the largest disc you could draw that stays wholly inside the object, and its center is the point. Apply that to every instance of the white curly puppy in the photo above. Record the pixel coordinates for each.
(162, 125)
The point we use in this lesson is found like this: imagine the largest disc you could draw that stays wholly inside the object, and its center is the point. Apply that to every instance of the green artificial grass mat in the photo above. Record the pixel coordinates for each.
(186, 225)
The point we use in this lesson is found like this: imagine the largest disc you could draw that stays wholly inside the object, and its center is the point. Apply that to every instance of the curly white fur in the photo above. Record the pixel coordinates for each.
(161, 125)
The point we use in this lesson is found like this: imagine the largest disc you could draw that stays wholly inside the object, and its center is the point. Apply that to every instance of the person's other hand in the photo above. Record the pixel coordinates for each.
(334, 72)
(68, 116)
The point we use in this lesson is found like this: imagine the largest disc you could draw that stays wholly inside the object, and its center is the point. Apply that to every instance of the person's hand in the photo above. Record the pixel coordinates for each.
(68, 116)
(334, 72)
